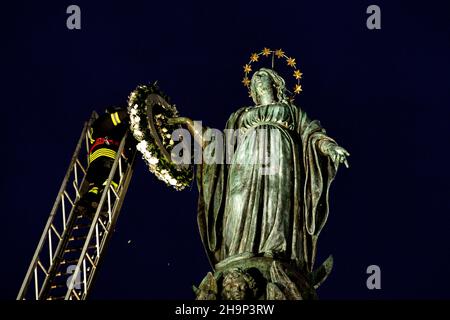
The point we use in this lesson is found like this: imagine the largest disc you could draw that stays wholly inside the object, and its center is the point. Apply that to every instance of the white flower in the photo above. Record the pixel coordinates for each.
(142, 147)
(138, 132)
(173, 181)
(138, 135)
(150, 158)
(133, 112)
(133, 95)
(158, 175)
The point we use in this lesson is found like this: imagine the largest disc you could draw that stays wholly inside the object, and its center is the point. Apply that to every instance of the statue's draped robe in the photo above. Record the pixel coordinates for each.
(276, 212)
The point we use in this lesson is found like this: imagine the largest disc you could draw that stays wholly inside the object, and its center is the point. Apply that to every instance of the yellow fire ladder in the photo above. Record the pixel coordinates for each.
(71, 247)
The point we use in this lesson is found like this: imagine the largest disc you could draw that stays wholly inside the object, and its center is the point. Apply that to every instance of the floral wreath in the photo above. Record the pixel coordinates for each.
(176, 176)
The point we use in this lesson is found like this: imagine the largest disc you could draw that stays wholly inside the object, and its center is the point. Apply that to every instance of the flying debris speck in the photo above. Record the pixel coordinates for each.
(129, 241)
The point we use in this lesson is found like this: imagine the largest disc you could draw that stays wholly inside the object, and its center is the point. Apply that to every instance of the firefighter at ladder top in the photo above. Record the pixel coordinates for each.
(105, 136)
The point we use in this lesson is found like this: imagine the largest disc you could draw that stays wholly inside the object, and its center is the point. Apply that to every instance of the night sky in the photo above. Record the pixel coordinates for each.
(384, 95)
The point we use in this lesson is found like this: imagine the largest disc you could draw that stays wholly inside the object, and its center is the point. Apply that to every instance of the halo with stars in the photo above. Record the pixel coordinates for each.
(279, 54)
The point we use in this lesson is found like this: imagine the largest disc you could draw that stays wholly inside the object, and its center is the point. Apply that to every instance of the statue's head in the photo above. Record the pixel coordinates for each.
(267, 87)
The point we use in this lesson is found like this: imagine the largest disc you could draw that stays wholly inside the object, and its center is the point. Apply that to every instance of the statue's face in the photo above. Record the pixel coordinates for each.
(236, 289)
(263, 86)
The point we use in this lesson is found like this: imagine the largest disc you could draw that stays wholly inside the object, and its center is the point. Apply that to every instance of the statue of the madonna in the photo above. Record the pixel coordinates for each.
(260, 223)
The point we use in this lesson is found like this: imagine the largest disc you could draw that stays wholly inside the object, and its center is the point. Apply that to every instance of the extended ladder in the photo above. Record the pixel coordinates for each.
(72, 245)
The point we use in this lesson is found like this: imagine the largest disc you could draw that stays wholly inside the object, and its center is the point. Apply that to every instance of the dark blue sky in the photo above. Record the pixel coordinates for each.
(383, 95)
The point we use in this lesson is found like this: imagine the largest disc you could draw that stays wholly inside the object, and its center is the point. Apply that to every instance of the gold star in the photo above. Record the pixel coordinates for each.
(298, 88)
(266, 52)
(298, 74)
(291, 62)
(246, 82)
(279, 53)
(247, 68)
(254, 57)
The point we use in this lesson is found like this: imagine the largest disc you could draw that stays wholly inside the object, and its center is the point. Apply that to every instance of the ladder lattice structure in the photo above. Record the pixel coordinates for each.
(71, 246)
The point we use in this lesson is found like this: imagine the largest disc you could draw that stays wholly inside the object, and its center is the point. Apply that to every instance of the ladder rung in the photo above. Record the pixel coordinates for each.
(61, 280)
(80, 236)
(81, 226)
(103, 213)
(58, 286)
(78, 249)
(63, 274)
(83, 216)
(73, 238)
(69, 262)
(67, 274)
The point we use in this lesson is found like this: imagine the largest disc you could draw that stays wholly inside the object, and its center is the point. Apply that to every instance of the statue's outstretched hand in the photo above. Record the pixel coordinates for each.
(337, 154)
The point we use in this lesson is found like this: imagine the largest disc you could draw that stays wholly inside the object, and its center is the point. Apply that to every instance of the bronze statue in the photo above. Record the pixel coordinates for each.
(260, 226)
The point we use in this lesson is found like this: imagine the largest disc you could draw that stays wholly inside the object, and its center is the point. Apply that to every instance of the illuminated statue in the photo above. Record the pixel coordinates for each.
(260, 223)
(260, 212)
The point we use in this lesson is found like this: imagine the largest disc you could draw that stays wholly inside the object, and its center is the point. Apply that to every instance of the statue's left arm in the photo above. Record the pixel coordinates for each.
(326, 145)
(321, 156)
